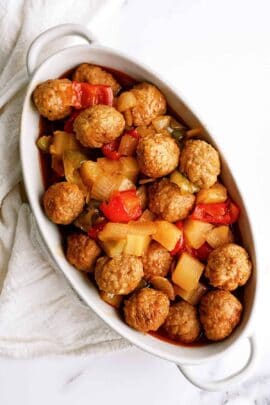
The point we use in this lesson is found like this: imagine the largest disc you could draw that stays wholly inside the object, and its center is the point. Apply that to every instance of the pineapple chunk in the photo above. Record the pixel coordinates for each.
(129, 167)
(137, 244)
(114, 248)
(113, 231)
(116, 231)
(167, 234)
(196, 232)
(193, 296)
(109, 166)
(183, 183)
(219, 236)
(125, 101)
(147, 215)
(44, 143)
(161, 122)
(187, 272)
(90, 172)
(62, 142)
(215, 194)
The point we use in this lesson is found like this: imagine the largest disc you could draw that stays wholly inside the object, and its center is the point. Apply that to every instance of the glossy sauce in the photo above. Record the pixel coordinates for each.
(47, 127)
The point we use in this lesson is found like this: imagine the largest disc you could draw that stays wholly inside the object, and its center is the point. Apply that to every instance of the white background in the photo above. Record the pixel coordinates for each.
(217, 53)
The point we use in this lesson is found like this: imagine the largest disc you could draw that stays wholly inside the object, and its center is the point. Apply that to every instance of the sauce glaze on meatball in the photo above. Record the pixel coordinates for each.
(182, 323)
(228, 267)
(156, 261)
(146, 310)
(220, 313)
(82, 251)
(119, 275)
(200, 162)
(53, 98)
(63, 202)
(98, 125)
(167, 201)
(158, 155)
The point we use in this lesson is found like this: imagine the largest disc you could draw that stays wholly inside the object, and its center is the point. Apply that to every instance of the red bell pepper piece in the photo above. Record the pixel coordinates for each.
(123, 206)
(68, 127)
(217, 213)
(86, 95)
(203, 252)
(180, 245)
(110, 150)
(133, 133)
(94, 231)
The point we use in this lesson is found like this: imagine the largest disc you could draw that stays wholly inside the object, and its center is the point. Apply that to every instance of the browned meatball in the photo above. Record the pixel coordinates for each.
(146, 309)
(63, 202)
(228, 267)
(200, 161)
(53, 98)
(156, 261)
(158, 155)
(119, 275)
(220, 313)
(166, 200)
(98, 125)
(95, 75)
(182, 323)
(150, 104)
(82, 251)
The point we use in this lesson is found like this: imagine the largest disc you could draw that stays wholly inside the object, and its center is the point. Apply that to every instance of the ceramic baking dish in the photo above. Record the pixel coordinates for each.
(53, 67)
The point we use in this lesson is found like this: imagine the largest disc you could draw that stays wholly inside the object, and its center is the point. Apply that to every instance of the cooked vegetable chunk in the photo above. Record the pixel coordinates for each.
(187, 272)
(167, 234)
(196, 232)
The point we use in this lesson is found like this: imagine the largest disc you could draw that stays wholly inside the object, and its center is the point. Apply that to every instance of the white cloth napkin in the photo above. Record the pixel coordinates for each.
(39, 313)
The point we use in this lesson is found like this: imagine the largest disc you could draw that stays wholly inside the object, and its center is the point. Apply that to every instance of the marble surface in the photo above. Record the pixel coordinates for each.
(218, 55)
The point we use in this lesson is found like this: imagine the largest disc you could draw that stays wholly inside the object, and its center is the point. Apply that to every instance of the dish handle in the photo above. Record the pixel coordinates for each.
(51, 34)
(223, 384)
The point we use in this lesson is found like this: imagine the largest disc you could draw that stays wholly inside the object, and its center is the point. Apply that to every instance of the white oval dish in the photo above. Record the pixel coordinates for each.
(54, 67)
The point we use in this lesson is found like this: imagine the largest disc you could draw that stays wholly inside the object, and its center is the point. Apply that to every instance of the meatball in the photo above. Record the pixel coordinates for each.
(82, 251)
(95, 75)
(98, 125)
(53, 98)
(228, 267)
(158, 155)
(146, 309)
(220, 313)
(200, 161)
(166, 200)
(119, 275)
(182, 323)
(150, 104)
(63, 202)
(156, 261)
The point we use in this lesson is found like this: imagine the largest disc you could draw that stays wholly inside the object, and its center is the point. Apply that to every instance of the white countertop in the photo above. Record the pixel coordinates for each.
(218, 55)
